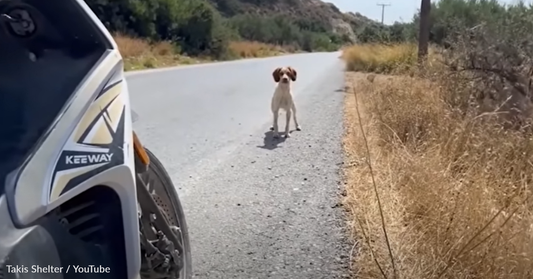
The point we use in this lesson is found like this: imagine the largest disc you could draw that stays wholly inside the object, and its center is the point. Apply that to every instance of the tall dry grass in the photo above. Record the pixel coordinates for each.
(454, 189)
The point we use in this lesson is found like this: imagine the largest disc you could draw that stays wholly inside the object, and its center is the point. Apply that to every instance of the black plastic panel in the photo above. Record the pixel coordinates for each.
(40, 71)
(60, 252)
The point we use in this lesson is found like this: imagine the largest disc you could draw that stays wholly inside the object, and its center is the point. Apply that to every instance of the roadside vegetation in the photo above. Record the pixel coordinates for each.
(158, 33)
(439, 170)
(140, 53)
(380, 58)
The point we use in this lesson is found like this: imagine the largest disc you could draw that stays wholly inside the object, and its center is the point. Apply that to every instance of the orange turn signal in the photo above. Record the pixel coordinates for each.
(139, 150)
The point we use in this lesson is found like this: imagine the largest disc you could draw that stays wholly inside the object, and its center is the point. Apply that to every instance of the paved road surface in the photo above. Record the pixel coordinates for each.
(256, 208)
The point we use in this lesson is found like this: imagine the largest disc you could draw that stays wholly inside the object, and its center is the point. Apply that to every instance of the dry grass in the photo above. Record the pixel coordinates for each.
(142, 54)
(454, 189)
(256, 49)
(395, 59)
(379, 58)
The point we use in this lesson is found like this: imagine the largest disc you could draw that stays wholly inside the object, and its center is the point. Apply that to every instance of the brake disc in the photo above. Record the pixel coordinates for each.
(164, 204)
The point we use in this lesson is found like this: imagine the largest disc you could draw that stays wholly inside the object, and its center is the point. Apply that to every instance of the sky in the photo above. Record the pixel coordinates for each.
(399, 10)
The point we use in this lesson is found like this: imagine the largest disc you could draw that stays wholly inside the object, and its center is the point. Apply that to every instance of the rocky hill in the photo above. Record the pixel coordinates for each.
(316, 15)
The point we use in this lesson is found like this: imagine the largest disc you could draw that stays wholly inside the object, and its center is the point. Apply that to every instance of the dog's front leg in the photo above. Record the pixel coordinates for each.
(298, 128)
(288, 121)
(275, 123)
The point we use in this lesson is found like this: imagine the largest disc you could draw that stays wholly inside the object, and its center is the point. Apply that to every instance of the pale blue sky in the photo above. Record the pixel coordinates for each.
(400, 10)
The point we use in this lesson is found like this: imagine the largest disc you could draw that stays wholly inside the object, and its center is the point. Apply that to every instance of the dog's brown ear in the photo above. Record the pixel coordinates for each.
(276, 75)
(292, 73)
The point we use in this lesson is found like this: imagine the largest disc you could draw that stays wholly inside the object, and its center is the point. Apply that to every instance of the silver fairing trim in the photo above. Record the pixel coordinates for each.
(8, 232)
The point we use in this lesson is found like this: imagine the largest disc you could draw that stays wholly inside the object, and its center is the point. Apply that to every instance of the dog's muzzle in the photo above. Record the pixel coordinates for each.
(285, 80)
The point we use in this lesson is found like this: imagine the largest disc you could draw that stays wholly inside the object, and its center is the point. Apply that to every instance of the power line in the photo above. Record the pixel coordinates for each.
(383, 11)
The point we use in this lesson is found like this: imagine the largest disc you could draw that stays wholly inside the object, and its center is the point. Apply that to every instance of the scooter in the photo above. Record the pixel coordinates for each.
(80, 196)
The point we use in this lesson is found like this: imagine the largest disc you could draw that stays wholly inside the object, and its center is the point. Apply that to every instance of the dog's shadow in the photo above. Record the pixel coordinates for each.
(271, 143)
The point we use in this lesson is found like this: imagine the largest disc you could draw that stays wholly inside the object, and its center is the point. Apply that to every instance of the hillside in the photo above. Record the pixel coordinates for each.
(207, 27)
(311, 15)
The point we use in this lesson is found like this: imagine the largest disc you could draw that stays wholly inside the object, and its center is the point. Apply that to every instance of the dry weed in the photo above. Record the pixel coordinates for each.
(394, 59)
(454, 189)
(246, 49)
(380, 58)
(131, 47)
(140, 53)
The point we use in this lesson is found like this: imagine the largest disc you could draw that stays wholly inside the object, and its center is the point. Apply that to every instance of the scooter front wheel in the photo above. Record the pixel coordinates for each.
(166, 197)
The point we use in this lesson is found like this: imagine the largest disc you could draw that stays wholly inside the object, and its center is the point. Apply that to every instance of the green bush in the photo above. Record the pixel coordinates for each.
(281, 30)
(193, 25)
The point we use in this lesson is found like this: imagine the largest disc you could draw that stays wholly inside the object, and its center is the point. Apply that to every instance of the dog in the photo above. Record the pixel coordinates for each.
(283, 99)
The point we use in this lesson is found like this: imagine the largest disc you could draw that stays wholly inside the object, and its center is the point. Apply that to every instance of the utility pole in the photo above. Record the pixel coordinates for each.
(383, 12)
(423, 35)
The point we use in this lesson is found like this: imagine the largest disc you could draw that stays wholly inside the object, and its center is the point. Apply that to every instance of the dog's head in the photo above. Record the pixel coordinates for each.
(284, 74)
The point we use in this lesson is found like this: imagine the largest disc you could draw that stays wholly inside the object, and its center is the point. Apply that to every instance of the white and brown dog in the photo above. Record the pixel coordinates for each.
(283, 99)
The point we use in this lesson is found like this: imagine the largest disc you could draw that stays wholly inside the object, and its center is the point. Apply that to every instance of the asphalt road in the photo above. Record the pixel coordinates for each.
(256, 207)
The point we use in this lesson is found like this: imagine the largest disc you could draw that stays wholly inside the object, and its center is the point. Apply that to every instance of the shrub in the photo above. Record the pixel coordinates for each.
(193, 25)
(281, 30)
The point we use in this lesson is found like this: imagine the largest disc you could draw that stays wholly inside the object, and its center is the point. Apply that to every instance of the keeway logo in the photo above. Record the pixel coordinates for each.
(88, 159)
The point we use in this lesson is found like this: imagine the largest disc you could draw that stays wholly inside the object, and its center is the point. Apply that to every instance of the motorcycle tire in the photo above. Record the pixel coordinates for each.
(168, 201)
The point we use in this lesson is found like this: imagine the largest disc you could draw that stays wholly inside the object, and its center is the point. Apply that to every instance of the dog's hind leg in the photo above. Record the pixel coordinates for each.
(298, 128)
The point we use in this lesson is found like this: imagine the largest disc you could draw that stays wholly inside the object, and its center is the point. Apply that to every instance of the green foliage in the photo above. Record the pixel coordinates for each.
(193, 25)
(396, 33)
(205, 27)
(448, 18)
(198, 28)
(228, 7)
(281, 30)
